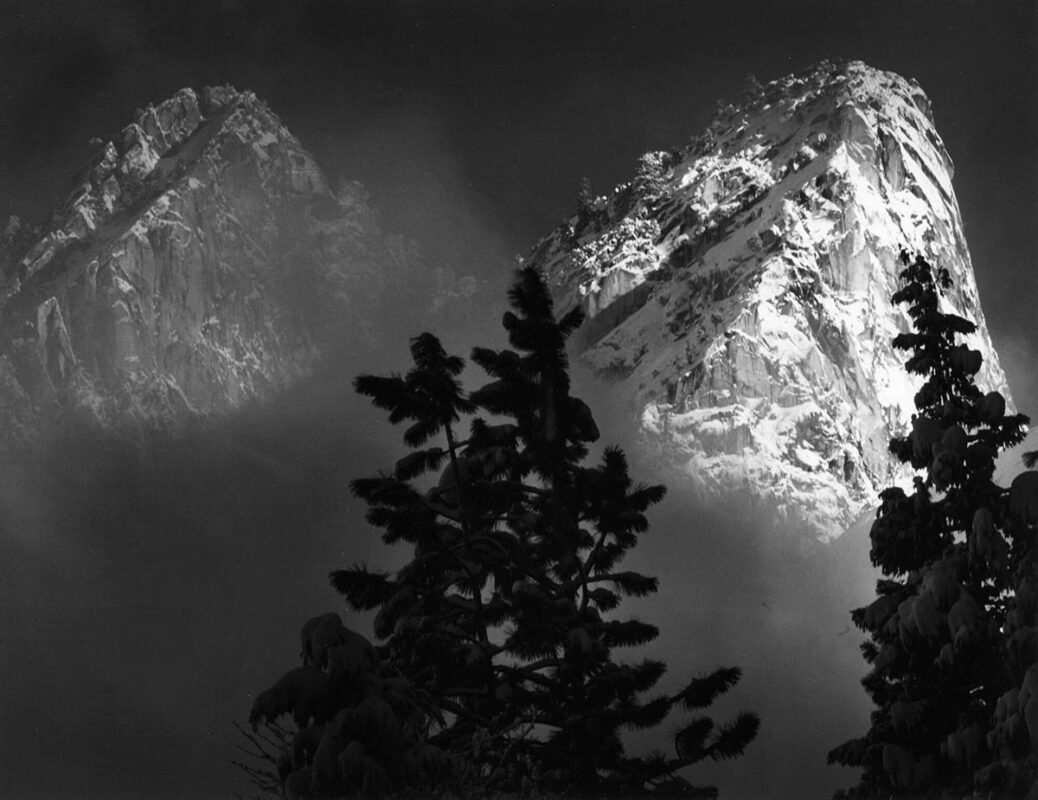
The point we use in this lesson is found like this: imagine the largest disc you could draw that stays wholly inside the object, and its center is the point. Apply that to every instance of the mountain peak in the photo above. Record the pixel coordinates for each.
(738, 290)
(201, 260)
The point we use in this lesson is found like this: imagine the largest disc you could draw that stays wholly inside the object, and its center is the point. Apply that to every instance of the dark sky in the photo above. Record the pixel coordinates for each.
(473, 122)
(136, 624)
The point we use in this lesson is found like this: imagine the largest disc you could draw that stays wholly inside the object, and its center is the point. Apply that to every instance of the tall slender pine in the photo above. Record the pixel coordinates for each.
(504, 613)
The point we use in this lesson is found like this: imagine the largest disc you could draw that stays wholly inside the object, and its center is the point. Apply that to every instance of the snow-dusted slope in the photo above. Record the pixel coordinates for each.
(202, 259)
(739, 290)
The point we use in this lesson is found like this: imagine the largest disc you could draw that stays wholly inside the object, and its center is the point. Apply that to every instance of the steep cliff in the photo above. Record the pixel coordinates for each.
(738, 290)
(203, 259)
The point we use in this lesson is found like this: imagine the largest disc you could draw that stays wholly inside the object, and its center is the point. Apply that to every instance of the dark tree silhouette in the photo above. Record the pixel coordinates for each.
(504, 614)
(357, 726)
(952, 632)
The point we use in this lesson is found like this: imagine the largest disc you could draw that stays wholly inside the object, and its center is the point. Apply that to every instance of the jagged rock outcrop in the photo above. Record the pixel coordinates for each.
(202, 259)
(739, 290)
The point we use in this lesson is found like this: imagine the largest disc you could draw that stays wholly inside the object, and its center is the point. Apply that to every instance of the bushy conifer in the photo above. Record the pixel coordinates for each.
(952, 633)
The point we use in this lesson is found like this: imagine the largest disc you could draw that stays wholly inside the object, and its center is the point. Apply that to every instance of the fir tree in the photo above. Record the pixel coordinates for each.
(503, 614)
(650, 178)
(585, 195)
(952, 637)
(591, 209)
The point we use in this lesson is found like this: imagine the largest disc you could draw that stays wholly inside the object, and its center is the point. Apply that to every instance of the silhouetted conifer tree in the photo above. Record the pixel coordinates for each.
(952, 638)
(357, 726)
(503, 614)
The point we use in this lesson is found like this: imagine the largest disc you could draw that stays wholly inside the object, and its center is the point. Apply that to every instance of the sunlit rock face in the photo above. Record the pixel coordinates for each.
(738, 291)
(203, 259)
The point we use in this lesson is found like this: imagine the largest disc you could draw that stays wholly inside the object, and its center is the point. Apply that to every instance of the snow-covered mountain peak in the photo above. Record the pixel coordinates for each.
(201, 260)
(738, 289)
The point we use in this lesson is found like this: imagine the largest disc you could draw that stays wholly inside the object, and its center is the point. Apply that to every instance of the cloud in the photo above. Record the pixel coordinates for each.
(147, 597)
(149, 590)
(734, 591)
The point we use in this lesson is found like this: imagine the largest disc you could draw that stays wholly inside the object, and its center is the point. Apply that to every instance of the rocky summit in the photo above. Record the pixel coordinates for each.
(202, 259)
(738, 291)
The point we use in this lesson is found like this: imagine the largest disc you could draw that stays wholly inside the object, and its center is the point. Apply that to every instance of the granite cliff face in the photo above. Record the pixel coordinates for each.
(203, 259)
(738, 290)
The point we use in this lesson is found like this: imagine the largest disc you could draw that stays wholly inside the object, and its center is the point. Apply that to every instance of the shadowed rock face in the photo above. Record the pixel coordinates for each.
(202, 260)
(739, 290)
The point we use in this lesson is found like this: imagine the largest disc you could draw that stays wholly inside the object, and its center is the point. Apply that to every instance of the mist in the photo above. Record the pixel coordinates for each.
(148, 590)
(151, 584)
(738, 589)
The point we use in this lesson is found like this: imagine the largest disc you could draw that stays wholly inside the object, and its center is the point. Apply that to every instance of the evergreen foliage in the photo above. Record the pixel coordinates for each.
(359, 727)
(953, 642)
(585, 196)
(592, 209)
(752, 87)
(505, 614)
(650, 178)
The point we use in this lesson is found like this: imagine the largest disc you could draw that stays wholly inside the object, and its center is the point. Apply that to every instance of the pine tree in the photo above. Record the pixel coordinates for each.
(952, 637)
(501, 614)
